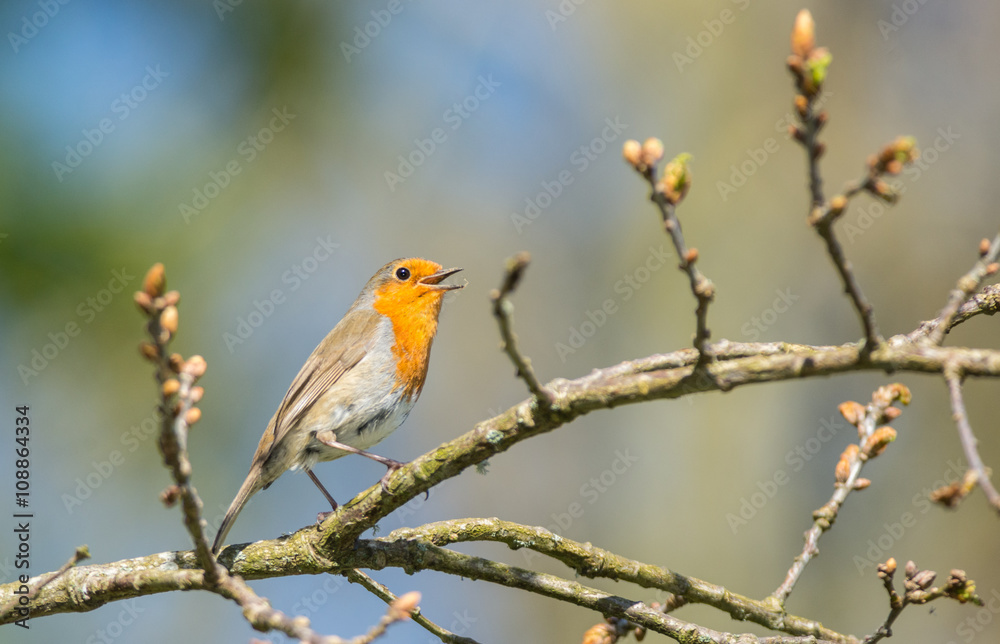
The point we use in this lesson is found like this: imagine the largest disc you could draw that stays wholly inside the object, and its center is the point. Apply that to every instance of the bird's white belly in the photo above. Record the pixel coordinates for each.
(357, 426)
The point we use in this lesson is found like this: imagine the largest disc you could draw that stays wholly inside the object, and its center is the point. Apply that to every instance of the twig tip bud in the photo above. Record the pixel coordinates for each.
(803, 34)
(652, 151)
(155, 281)
(404, 605)
(632, 152)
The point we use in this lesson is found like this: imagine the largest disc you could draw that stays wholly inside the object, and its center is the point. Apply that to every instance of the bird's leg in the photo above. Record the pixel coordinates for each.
(322, 515)
(330, 440)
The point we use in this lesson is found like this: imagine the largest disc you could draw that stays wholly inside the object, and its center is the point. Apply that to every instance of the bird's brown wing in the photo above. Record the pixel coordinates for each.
(343, 348)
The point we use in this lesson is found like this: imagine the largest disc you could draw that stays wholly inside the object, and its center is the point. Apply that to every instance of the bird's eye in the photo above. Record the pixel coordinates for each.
(402, 274)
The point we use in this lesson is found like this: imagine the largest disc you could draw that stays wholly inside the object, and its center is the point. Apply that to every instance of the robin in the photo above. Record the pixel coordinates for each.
(358, 385)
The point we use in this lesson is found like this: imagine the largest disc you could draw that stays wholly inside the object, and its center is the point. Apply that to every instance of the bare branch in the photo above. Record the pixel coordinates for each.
(175, 378)
(666, 192)
(809, 65)
(917, 590)
(590, 561)
(657, 377)
(987, 302)
(866, 419)
(967, 285)
(404, 553)
(383, 593)
(851, 286)
(979, 472)
(264, 618)
(13, 607)
(503, 311)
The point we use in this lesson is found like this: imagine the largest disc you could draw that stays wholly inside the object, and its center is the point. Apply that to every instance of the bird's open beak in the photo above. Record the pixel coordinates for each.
(434, 280)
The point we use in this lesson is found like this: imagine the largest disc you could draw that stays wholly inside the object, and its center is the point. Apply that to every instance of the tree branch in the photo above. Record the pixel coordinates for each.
(917, 590)
(987, 302)
(590, 561)
(871, 442)
(657, 377)
(980, 473)
(809, 65)
(667, 191)
(358, 577)
(13, 607)
(405, 553)
(967, 285)
(503, 311)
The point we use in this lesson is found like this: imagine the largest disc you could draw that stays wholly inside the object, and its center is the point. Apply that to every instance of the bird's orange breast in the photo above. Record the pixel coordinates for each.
(414, 318)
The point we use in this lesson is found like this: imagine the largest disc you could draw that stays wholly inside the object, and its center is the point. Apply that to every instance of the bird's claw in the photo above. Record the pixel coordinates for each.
(391, 466)
(321, 516)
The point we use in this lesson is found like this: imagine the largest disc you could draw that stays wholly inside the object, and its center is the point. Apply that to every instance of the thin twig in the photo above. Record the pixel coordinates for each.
(808, 65)
(383, 593)
(82, 553)
(966, 286)
(953, 376)
(917, 590)
(667, 189)
(175, 423)
(896, 603)
(852, 287)
(854, 459)
(264, 618)
(812, 122)
(503, 311)
(701, 286)
(986, 302)
(173, 442)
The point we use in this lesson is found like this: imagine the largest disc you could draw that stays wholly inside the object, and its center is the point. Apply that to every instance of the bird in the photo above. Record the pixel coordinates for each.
(357, 386)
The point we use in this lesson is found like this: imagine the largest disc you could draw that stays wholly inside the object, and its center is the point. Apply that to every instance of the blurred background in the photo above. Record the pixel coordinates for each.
(274, 155)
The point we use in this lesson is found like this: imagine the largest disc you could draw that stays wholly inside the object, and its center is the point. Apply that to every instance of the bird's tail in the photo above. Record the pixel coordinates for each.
(250, 487)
